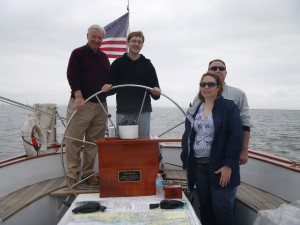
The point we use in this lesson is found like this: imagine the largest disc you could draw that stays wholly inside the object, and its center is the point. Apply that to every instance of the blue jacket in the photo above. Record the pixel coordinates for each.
(226, 146)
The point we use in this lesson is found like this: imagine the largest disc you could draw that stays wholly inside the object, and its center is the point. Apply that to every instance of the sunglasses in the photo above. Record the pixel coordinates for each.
(214, 68)
(209, 84)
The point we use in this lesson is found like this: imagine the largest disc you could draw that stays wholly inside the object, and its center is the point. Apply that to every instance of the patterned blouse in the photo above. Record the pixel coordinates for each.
(204, 127)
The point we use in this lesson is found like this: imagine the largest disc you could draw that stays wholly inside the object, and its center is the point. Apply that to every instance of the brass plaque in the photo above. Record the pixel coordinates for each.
(129, 176)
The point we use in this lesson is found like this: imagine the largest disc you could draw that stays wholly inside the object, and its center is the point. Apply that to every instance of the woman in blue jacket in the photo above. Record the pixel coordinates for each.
(211, 145)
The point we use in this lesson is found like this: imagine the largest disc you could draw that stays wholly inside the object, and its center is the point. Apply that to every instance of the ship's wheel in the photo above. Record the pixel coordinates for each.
(162, 132)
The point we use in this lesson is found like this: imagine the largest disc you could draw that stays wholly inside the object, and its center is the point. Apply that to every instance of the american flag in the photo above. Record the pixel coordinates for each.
(114, 44)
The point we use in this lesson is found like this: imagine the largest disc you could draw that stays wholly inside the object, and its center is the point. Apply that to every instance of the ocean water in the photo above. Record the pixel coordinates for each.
(275, 131)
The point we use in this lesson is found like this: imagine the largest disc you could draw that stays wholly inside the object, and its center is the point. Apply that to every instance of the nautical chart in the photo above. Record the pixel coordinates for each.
(155, 217)
(126, 211)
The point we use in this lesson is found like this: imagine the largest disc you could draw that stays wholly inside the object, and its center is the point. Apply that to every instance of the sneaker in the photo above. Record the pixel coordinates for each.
(72, 181)
(93, 180)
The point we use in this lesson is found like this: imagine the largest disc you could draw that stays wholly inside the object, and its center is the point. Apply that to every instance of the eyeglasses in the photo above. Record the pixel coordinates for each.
(209, 84)
(136, 42)
(214, 68)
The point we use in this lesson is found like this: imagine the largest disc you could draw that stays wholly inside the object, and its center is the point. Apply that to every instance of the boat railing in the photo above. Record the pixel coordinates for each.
(276, 160)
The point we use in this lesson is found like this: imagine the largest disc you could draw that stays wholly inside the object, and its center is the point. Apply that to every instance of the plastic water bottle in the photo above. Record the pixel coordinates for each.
(159, 186)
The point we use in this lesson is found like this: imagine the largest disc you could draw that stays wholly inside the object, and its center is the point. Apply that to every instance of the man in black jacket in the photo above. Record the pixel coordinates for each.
(134, 68)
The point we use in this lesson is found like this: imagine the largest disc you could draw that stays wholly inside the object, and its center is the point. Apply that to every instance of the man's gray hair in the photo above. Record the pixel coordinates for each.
(96, 27)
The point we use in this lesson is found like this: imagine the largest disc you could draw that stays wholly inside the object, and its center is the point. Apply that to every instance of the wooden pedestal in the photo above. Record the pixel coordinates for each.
(128, 167)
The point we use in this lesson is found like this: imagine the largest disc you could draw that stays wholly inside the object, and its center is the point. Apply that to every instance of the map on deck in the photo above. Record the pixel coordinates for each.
(156, 217)
(124, 212)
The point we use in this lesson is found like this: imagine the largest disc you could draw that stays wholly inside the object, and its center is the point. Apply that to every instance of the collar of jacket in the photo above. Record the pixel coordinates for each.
(91, 51)
(137, 60)
(191, 112)
(193, 109)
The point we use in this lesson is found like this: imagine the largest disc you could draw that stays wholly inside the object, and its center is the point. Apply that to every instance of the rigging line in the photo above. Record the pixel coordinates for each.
(61, 118)
(27, 107)
(172, 164)
(171, 129)
(12, 102)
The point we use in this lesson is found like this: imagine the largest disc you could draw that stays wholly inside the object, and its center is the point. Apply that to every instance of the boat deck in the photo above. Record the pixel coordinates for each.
(14, 202)
(258, 199)
(255, 198)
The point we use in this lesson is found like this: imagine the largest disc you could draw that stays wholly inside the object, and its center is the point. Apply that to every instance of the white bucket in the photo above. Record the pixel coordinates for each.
(128, 131)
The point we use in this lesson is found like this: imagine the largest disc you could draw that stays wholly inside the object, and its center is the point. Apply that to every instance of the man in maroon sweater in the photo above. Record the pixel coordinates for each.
(87, 72)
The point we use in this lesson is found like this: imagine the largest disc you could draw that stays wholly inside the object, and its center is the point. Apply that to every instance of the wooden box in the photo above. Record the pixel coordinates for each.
(128, 167)
(173, 191)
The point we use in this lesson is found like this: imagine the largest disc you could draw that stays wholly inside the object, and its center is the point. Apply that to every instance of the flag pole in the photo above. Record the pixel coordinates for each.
(128, 30)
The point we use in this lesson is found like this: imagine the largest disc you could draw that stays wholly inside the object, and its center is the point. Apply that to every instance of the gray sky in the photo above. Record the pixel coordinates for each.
(258, 39)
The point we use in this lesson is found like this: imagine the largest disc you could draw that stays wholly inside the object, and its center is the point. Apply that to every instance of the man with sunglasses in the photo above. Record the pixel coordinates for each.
(240, 98)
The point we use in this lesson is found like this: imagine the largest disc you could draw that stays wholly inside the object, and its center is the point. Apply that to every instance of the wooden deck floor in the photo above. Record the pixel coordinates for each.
(257, 199)
(12, 203)
(82, 188)
(253, 197)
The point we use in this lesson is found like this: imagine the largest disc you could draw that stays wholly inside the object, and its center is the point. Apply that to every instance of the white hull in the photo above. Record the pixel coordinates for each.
(44, 211)
(24, 172)
(275, 175)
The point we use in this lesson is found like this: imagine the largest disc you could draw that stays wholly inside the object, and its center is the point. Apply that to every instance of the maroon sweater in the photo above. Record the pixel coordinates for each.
(88, 71)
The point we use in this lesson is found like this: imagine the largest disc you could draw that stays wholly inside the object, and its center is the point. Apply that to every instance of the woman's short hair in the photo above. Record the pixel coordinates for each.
(218, 81)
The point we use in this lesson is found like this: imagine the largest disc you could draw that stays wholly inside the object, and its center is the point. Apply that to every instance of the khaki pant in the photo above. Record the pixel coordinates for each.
(88, 123)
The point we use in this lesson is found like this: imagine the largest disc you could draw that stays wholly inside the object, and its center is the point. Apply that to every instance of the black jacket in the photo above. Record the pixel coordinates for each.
(127, 71)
